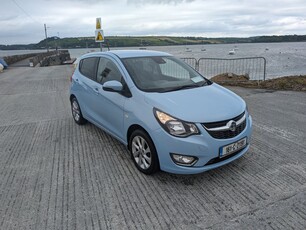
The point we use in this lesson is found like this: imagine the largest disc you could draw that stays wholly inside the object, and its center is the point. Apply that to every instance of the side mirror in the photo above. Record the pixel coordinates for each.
(112, 86)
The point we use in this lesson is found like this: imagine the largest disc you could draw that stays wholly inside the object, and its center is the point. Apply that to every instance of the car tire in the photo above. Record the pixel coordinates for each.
(143, 152)
(76, 112)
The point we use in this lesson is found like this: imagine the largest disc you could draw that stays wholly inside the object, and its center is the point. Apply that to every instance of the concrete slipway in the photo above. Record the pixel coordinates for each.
(57, 175)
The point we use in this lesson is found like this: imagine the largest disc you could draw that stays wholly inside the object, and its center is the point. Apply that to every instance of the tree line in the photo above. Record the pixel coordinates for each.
(138, 41)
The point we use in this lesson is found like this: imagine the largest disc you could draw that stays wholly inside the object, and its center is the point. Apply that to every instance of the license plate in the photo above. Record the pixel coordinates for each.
(232, 148)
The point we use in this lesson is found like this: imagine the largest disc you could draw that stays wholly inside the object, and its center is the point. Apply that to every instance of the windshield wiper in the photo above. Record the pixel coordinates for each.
(205, 83)
(180, 88)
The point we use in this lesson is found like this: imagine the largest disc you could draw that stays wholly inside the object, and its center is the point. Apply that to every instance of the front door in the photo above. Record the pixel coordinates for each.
(109, 109)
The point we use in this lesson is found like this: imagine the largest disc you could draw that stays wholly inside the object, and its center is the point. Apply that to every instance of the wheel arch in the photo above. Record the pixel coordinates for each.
(134, 127)
(130, 131)
(71, 97)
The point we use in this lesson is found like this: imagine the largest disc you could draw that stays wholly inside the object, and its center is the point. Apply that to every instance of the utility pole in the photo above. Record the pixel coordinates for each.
(58, 41)
(46, 38)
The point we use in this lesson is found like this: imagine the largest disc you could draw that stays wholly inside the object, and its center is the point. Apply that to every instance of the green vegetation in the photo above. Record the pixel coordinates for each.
(128, 41)
(295, 83)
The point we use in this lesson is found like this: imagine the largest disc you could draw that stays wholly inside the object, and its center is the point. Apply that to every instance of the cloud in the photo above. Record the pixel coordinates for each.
(156, 2)
(73, 18)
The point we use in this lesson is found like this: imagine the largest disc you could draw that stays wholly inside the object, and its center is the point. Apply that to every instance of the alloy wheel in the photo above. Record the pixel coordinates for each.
(141, 152)
(75, 111)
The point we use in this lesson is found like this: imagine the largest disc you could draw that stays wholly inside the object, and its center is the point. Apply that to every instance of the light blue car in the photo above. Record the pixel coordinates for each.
(167, 114)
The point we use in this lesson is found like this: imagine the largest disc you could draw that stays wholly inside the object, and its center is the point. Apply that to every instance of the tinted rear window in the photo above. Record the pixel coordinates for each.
(88, 67)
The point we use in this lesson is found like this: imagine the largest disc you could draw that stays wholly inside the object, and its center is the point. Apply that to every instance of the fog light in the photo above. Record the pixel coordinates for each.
(183, 160)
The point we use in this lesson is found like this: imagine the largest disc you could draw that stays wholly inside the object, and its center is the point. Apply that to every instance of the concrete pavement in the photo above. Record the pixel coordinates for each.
(57, 175)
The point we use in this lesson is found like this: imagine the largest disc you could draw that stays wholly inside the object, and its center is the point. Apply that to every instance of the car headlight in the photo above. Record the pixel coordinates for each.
(175, 126)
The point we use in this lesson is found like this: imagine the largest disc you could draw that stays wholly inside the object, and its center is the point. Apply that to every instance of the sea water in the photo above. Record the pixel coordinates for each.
(283, 59)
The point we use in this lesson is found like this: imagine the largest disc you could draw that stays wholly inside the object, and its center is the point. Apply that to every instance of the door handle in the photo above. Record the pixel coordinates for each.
(96, 90)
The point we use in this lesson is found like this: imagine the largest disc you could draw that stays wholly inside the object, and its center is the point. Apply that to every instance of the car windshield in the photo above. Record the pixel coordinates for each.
(162, 74)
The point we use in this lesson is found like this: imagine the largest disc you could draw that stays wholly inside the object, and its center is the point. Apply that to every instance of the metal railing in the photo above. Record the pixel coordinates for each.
(252, 67)
(192, 62)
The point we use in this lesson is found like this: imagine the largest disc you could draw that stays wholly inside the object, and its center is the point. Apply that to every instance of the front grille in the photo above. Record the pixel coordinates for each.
(225, 133)
(221, 123)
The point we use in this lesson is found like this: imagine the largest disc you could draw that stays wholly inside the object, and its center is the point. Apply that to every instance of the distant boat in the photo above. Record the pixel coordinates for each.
(231, 52)
(203, 49)
(267, 48)
(142, 48)
(188, 50)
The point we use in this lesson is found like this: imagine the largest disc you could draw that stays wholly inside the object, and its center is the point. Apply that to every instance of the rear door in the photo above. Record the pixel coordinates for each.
(87, 94)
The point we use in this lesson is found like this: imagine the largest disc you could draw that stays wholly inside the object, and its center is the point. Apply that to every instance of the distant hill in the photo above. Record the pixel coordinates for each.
(138, 41)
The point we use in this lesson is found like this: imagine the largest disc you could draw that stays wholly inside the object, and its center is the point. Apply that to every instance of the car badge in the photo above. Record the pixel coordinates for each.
(232, 125)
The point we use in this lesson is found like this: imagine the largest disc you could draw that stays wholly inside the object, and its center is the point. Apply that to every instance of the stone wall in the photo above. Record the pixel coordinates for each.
(16, 58)
(56, 57)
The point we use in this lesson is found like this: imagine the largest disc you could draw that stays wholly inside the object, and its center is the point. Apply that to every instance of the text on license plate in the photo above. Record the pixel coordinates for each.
(234, 147)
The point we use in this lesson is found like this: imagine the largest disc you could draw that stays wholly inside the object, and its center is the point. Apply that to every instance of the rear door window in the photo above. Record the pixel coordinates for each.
(88, 67)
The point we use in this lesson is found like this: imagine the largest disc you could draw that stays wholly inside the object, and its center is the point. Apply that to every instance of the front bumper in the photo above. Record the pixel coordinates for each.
(202, 146)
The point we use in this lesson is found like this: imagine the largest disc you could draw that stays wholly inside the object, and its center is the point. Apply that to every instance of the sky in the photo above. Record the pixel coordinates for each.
(22, 22)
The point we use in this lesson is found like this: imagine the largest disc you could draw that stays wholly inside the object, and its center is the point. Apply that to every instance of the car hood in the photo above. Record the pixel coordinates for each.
(204, 104)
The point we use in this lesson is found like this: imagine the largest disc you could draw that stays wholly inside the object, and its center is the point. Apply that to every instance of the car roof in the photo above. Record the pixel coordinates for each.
(130, 53)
